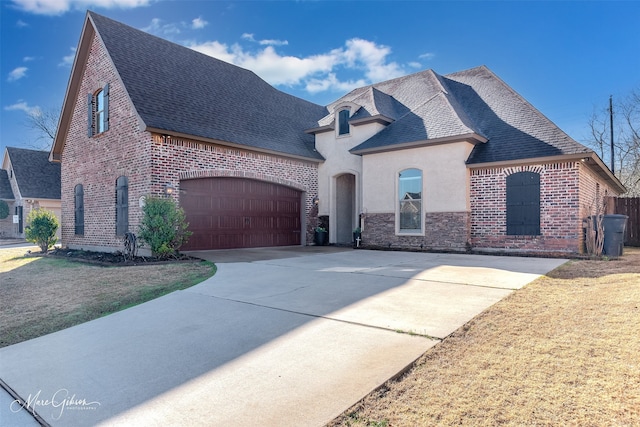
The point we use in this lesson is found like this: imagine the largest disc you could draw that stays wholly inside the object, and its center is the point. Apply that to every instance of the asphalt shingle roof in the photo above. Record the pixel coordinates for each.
(180, 90)
(5, 186)
(515, 129)
(429, 106)
(36, 176)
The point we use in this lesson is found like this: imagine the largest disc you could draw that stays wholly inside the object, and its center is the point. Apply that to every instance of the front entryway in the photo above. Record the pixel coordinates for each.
(345, 208)
(229, 212)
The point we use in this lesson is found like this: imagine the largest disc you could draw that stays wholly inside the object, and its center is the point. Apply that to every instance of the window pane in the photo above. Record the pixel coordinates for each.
(410, 215)
(410, 195)
(99, 117)
(122, 205)
(79, 210)
(343, 122)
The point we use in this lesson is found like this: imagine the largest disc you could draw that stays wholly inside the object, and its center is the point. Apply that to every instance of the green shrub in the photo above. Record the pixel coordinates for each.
(4, 209)
(163, 226)
(41, 228)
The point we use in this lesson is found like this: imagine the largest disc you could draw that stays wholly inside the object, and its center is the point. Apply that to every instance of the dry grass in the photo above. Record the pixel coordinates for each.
(42, 295)
(564, 350)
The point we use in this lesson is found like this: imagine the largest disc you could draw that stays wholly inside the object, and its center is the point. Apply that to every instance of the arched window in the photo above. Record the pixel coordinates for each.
(122, 205)
(343, 122)
(523, 204)
(98, 111)
(79, 209)
(410, 200)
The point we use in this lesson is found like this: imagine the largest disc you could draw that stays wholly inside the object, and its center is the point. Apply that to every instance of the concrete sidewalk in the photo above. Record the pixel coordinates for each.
(283, 341)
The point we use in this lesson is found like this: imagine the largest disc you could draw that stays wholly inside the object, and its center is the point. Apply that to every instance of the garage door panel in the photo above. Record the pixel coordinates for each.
(227, 212)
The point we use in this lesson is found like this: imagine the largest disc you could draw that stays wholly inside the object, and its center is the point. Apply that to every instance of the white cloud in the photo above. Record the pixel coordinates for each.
(272, 42)
(198, 23)
(316, 73)
(58, 7)
(331, 82)
(266, 42)
(28, 58)
(414, 64)
(17, 74)
(372, 58)
(215, 49)
(23, 106)
(67, 60)
(158, 28)
(21, 24)
(428, 55)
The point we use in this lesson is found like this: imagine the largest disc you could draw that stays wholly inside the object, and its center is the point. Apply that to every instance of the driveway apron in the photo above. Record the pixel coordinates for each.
(279, 341)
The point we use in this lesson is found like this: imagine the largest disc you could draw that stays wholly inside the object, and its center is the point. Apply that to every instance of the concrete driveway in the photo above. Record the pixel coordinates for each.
(290, 336)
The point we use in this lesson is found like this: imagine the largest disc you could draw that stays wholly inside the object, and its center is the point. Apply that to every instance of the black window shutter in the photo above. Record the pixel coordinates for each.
(19, 213)
(122, 206)
(90, 115)
(523, 204)
(106, 107)
(79, 210)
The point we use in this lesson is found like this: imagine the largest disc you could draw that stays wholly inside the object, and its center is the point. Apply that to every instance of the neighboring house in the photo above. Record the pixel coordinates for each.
(7, 228)
(424, 161)
(28, 180)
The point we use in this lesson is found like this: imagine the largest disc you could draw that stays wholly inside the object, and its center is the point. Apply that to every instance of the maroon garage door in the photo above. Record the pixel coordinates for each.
(225, 213)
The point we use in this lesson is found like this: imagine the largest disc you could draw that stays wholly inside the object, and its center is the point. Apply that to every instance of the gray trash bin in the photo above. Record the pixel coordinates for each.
(614, 227)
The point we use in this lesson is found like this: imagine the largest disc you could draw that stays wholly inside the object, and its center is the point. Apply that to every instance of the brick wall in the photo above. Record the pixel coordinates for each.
(444, 231)
(560, 216)
(175, 159)
(594, 194)
(149, 161)
(97, 162)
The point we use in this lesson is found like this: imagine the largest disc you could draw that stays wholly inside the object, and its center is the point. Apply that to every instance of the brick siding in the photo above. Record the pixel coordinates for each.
(176, 159)
(564, 189)
(444, 231)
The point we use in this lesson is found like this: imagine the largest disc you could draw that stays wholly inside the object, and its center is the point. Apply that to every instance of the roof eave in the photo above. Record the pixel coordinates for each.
(42, 198)
(378, 118)
(472, 138)
(320, 129)
(233, 145)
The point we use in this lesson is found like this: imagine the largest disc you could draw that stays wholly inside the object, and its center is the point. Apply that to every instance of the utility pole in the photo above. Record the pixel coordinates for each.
(613, 168)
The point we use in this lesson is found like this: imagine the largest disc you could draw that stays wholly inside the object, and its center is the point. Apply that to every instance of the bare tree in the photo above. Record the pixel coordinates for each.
(626, 139)
(45, 124)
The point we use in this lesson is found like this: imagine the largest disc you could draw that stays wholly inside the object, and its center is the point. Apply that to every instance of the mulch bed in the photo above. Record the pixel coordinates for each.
(113, 259)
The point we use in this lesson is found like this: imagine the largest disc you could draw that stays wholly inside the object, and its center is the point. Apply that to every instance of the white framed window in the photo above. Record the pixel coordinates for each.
(410, 207)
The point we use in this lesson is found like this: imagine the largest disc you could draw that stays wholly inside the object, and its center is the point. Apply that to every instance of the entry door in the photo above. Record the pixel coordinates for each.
(345, 208)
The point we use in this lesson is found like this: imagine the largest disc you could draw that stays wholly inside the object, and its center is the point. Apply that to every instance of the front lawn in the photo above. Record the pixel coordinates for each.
(40, 295)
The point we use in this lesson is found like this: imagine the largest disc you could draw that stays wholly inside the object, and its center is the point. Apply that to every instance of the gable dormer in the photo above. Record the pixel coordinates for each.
(342, 114)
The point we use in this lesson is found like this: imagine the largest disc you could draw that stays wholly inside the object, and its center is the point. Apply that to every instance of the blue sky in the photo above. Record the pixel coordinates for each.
(566, 58)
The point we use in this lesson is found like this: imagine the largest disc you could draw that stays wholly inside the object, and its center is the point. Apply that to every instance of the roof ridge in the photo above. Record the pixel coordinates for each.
(458, 108)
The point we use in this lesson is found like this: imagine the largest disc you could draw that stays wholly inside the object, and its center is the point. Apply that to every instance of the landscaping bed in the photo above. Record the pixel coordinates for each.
(115, 258)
